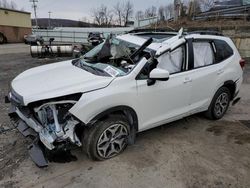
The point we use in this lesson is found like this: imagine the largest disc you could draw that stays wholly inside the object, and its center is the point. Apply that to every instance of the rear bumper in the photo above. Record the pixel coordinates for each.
(235, 97)
(238, 84)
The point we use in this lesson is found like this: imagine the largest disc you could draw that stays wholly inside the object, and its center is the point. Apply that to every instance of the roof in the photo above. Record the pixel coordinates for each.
(139, 41)
(167, 43)
(12, 10)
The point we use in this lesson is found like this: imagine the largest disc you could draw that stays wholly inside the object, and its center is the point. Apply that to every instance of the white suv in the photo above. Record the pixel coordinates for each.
(125, 85)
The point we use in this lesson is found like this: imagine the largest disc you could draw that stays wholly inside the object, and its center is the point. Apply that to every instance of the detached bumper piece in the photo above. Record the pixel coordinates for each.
(35, 150)
(25, 130)
(37, 155)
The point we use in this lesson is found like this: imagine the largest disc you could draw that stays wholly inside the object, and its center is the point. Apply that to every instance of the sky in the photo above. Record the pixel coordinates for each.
(77, 9)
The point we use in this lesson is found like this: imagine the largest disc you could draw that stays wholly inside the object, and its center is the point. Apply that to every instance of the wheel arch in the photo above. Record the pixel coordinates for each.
(231, 85)
(125, 110)
(129, 113)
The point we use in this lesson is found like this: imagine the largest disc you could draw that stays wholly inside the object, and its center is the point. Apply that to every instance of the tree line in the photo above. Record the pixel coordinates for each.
(119, 14)
(122, 12)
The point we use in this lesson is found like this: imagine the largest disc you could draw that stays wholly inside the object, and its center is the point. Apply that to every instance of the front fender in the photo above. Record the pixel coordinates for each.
(93, 103)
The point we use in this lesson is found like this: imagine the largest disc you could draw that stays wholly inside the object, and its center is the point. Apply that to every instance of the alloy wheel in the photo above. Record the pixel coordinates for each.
(112, 141)
(221, 104)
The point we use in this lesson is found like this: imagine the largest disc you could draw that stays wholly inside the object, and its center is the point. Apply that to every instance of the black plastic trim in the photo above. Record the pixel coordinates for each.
(116, 109)
(190, 54)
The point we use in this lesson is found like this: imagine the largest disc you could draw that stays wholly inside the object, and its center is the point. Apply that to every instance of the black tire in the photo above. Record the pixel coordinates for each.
(5, 41)
(1, 38)
(93, 134)
(211, 113)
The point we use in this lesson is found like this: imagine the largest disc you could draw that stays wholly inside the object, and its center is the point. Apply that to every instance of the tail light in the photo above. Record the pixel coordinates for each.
(242, 63)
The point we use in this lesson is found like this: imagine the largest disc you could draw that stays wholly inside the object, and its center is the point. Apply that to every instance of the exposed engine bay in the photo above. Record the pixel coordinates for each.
(57, 124)
(48, 122)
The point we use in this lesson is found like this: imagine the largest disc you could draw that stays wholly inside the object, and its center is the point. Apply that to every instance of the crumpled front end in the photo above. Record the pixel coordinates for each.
(48, 123)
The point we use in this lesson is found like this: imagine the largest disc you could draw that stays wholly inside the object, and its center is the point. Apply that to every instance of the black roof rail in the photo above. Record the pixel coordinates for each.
(206, 33)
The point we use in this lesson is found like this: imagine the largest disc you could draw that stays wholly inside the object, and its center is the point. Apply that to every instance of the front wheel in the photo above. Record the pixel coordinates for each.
(219, 104)
(107, 138)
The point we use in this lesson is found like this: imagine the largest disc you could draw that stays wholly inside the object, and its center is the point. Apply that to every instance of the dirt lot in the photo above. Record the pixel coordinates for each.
(190, 153)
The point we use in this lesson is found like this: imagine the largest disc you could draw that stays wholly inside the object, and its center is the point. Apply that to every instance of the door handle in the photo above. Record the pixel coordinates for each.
(220, 71)
(186, 80)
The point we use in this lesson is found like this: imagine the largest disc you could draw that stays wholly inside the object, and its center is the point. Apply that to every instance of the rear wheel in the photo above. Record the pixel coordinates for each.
(219, 104)
(107, 138)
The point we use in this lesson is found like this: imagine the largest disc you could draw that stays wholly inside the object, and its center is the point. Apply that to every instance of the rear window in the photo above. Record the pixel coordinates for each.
(222, 51)
(203, 54)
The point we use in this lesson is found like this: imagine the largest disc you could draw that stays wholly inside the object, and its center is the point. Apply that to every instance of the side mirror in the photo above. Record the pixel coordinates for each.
(158, 74)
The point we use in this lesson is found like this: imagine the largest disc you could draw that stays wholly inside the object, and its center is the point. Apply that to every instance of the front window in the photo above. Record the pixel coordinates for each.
(173, 61)
(111, 58)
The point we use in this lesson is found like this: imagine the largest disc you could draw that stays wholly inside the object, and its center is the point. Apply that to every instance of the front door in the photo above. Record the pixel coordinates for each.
(165, 100)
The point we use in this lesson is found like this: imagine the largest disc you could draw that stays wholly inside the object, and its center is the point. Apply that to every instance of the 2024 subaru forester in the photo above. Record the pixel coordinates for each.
(125, 85)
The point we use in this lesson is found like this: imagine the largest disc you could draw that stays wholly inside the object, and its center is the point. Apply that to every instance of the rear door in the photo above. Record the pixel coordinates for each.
(203, 74)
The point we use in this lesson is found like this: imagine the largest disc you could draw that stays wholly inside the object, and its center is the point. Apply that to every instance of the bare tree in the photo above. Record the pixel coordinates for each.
(139, 15)
(169, 11)
(161, 13)
(97, 16)
(150, 12)
(197, 7)
(102, 16)
(118, 10)
(206, 4)
(127, 12)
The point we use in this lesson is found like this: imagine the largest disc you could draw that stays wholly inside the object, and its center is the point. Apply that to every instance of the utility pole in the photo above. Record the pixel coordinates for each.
(49, 19)
(34, 6)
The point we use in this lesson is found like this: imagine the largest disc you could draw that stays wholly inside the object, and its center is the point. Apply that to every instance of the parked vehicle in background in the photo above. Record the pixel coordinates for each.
(33, 39)
(3, 38)
(95, 38)
(127, 84)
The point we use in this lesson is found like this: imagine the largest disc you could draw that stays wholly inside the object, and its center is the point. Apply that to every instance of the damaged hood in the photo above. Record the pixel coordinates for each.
(55, 80)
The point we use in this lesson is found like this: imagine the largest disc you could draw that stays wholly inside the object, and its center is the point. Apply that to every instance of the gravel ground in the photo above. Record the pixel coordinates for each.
(189, 153)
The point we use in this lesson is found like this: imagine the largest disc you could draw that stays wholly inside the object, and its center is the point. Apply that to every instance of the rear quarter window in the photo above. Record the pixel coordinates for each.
(222, 51)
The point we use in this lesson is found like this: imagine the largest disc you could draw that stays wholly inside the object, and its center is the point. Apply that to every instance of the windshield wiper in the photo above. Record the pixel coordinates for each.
(95, 69)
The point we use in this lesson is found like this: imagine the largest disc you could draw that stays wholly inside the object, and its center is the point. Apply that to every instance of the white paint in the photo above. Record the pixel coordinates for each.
(183, 94)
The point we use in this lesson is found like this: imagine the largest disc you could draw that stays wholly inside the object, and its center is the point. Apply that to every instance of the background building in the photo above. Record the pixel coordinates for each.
(14, 24)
